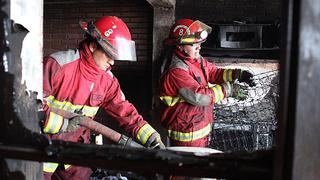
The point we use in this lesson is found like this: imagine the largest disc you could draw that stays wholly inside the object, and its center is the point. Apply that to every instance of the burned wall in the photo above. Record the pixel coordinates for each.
(62, 31)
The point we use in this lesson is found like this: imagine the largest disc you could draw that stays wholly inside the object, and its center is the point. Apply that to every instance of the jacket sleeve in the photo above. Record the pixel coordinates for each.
(51, 71)
(218, 75)
(178, 83)
(126, 114)
(51, 77)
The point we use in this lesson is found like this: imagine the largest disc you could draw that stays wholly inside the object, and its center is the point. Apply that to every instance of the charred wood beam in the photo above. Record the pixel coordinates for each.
(257, 165)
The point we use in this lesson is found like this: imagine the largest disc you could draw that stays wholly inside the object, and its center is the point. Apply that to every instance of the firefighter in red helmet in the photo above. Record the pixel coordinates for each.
(190, 85)
(80, 81)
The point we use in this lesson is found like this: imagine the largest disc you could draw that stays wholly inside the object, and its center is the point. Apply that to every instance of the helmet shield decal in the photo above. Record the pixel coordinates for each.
(197, 32)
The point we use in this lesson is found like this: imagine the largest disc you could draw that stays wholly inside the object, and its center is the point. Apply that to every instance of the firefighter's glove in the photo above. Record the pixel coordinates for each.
(74, 123)
(126, 141)
(154, 142)
(239, 91)
(246, 76)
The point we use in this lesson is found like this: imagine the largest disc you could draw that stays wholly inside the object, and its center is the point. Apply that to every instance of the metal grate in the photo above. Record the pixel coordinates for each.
(250, 124)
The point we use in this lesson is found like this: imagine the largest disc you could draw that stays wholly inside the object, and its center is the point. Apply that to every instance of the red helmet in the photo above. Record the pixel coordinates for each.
(113, 35)
(187, 31)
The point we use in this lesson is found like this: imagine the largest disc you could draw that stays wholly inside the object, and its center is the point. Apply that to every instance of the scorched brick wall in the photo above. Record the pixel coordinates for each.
(61, 29)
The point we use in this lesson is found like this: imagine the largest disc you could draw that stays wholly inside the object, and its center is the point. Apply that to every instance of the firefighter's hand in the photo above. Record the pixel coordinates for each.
(247, 77)
(239, 91)
(154, 142)
(74, 123)
(126, 141)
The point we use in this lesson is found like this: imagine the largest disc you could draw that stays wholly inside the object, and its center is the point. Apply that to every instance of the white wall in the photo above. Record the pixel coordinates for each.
(30, 15)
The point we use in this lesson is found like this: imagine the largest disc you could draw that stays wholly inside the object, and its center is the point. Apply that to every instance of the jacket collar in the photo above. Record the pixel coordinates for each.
(185, 57)
(87, 65)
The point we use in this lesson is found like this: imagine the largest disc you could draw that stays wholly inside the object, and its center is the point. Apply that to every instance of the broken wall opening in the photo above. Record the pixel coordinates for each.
(250, 124)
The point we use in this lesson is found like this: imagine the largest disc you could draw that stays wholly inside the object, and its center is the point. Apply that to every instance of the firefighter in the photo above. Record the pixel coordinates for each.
(190, 85)
(80, 81)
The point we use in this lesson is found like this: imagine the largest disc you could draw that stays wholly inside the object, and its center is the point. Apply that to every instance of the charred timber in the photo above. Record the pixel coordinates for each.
(256, 165)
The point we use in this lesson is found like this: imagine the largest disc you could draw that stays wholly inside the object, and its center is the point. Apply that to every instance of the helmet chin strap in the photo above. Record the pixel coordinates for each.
(184, 52)
(181, 49)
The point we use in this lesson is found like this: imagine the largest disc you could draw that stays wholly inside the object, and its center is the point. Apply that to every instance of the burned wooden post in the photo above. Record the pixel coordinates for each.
(19, 121)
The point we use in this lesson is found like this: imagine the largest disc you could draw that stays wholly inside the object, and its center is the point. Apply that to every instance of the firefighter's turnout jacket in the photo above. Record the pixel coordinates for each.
(74, 83)
(187, 98)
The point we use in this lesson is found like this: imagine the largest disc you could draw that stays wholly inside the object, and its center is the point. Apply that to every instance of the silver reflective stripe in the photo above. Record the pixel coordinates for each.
(54, 123)
(227, 87)
(65, 125)
(194, 98)
(64, 57)
(178, 63)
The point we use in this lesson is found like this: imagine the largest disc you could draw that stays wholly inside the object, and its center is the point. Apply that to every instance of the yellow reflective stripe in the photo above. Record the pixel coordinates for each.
(190, 136)
(66, 166)
(65, 105)
(218, 93)
(227, 75)
(90, 111)
(49, 167)
(54, 123)
(144, 133)
(187, 40)
(170, 100)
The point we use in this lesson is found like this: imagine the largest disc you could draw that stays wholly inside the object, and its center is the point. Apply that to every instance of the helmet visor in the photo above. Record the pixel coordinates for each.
(119, 49)
(197, 32)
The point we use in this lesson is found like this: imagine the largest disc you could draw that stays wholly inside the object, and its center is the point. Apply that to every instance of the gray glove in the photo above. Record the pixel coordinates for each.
(154, 142)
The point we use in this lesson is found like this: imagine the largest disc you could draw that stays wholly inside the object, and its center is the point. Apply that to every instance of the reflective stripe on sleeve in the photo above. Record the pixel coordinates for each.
(66, 166)
(228, 89)
(170, 100)
(218, 93)
(144, 133)
(49, 167)
(54, 123)
(65, 105)
(190, 136)
(227, 75)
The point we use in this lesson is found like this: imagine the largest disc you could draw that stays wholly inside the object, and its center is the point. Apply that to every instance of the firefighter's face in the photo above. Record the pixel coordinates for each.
(192, 50)
(102, 60)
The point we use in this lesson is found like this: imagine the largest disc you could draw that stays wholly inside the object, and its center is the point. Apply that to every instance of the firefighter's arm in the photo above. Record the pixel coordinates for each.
(228, 89)
(128, 117)
(182, 87)
(52, 123)
(219, 75)
(244, 76)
